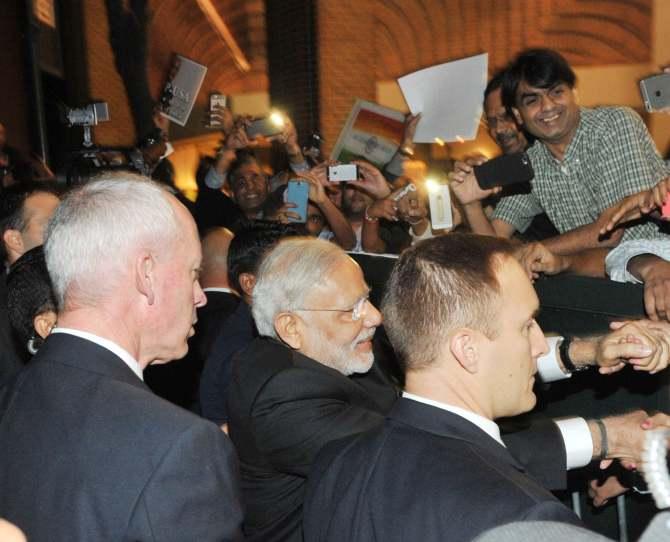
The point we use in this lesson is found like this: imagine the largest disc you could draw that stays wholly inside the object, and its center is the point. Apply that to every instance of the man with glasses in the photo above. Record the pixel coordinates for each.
(309, 379)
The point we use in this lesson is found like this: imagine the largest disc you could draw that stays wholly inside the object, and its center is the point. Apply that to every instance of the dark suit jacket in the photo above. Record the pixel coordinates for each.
(220, 306)
(283, 408)
(425, 474)
(87, 452)
(237, 333)
(10, 360)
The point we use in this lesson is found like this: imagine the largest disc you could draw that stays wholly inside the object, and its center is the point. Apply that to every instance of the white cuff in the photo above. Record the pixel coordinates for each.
(578, 442)
(548, 366)
(301, 167)
(214, 180)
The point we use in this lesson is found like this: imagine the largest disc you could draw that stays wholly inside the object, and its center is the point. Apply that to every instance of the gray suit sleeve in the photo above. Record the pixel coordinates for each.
(193, 494)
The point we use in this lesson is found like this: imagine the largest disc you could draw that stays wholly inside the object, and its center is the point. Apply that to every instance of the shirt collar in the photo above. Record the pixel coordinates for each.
(129, 360)
(486, 425)
(223, 290)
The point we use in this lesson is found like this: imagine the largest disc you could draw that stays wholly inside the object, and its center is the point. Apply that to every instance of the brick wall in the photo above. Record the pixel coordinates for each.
(292, 62)
(105, 84)
(346, 60)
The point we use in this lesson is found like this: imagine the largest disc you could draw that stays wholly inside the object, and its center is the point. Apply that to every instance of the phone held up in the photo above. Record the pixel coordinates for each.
(297, 193)
(655, 92)
(216, 100)
(343, 173)
(504, 170)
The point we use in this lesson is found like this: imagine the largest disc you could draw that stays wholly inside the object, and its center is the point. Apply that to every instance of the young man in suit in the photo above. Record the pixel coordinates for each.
(310, 378)
(88, 452)
(460, 313)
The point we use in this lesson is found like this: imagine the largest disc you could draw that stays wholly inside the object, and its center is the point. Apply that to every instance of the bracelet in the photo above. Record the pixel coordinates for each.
(368, 217)
(564, 352)
(604, 448)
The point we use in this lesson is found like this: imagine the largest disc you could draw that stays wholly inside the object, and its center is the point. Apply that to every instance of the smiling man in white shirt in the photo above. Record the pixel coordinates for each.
(124, 257)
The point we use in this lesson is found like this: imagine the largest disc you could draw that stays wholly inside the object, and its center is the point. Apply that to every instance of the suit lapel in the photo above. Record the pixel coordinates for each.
(444, 423)
(85, 355)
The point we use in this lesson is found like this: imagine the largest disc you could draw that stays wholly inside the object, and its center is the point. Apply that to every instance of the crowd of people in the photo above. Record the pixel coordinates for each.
(292, 408)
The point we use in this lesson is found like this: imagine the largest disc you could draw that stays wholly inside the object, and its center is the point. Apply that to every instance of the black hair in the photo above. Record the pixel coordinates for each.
(494, 83)
(12, 206)
(251, 242)
(29, 293)
(540, 68)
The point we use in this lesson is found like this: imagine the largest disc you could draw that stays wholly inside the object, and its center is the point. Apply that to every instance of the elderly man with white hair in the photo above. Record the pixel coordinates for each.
(88, 452)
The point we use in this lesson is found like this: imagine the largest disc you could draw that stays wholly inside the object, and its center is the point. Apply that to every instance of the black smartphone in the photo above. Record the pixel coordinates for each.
(504, 170)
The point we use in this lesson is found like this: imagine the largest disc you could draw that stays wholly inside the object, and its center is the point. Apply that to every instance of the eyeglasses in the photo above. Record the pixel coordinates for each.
(357, 311)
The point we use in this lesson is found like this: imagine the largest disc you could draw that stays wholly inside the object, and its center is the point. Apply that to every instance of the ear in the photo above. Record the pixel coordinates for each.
(44, 323)
(145, 279)
(464, 347)
(247, 282)
(287, 328)
(576, 95)
(13, 242)
(517, 116)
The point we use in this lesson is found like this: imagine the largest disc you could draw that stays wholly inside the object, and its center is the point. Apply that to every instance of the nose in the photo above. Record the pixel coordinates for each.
(199, 297)
(539, 342)
(372, 316)
(546, 102)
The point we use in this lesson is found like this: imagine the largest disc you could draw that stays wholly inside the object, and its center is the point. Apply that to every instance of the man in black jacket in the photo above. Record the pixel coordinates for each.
(460, 313)
(88, 452)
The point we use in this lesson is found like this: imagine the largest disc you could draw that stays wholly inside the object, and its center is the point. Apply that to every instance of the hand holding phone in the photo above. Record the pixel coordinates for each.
(504, 170)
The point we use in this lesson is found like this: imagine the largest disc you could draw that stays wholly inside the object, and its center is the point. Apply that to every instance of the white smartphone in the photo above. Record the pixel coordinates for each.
(439, 200)
(216, 100)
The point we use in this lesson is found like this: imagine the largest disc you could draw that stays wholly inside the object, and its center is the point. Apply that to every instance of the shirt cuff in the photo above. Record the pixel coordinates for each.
(301, 167)
(578, 442)
(548, 366)
(214, 180)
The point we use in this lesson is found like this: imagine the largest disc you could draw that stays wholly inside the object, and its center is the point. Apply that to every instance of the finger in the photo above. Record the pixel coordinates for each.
(650, 303)
(611, 369)
(605, 463)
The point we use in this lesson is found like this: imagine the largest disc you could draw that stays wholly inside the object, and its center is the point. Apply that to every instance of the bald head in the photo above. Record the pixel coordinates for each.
(10, 533)
(215, 258)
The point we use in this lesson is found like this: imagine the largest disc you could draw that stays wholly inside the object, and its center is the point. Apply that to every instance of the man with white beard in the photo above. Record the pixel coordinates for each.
(309, 379)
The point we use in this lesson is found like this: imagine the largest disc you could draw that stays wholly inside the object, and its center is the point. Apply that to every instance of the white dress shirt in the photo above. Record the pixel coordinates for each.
(129, 360)
(616, 262)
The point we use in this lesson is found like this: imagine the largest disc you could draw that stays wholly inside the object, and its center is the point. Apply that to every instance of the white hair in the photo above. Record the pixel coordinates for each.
(286, 277)
(97, 227)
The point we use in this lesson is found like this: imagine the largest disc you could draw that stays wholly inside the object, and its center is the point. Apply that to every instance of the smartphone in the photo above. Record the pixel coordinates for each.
(216, 100)
(266, 127)
(343, 173)
(298, 194)
(656, 92)
(504, 170)
(439, 200)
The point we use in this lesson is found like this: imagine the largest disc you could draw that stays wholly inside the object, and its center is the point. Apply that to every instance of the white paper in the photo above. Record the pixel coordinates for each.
(449, 97)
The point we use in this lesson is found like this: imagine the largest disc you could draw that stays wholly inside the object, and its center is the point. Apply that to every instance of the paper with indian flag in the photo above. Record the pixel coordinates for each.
(372, 132)
(449, 97)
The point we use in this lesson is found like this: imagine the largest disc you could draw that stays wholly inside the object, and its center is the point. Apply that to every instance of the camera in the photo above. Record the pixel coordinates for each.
(89, 115)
